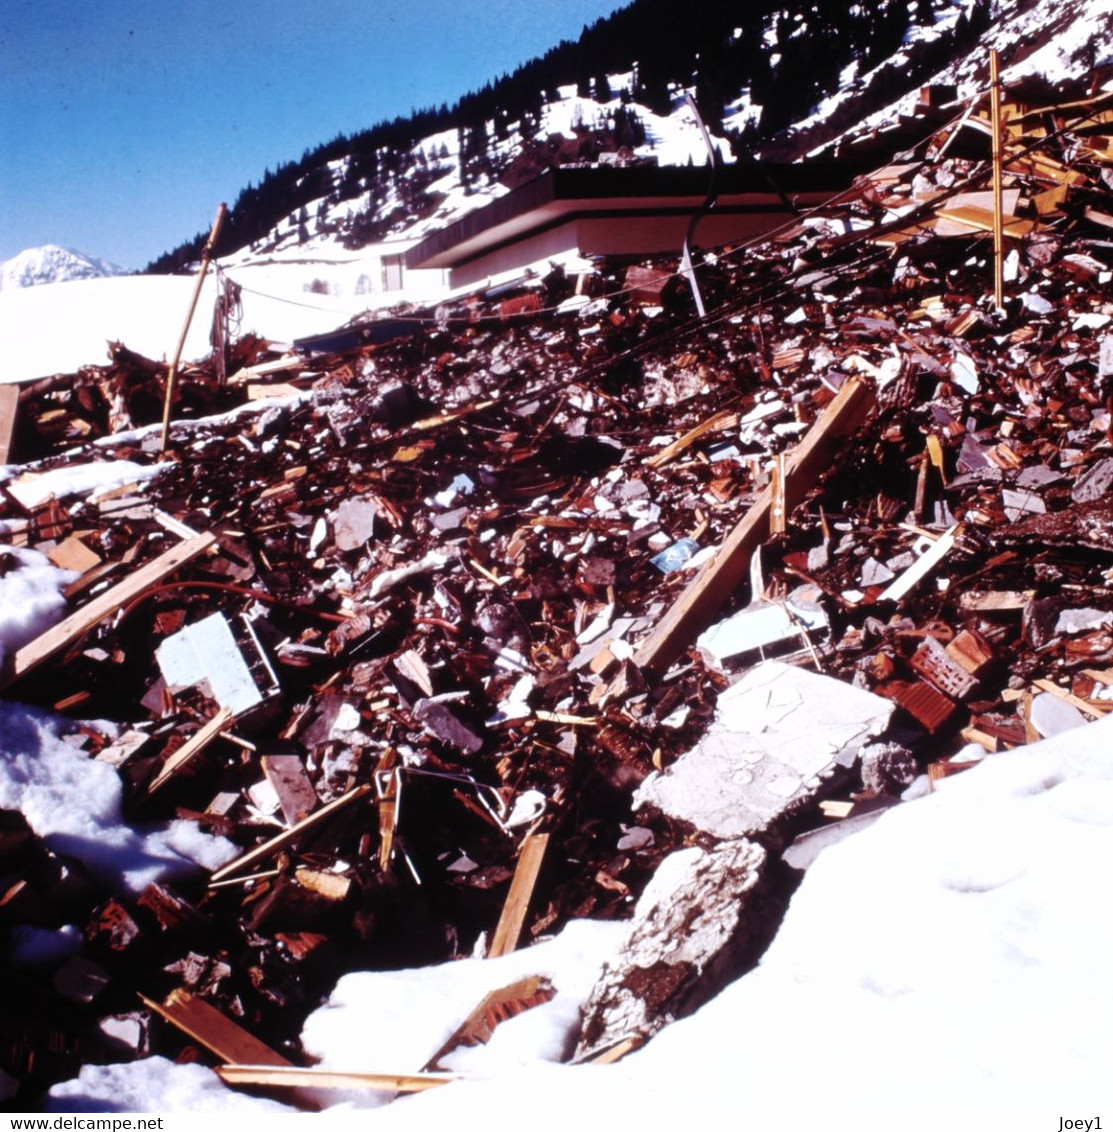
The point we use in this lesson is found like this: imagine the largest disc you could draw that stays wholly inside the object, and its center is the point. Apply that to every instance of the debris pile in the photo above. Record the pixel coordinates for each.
(467, 631)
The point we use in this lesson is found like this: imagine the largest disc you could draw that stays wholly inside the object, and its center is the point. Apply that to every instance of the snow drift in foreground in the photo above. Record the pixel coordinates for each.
(179, 1088)
(949, 961)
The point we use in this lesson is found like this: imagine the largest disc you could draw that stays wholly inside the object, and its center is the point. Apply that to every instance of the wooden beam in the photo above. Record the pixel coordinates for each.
(706, 594)
(268, 848)
(71, 628)
(206, 1025)
(514, 910)
(296, 1077)
(191, 748)
(9, 405)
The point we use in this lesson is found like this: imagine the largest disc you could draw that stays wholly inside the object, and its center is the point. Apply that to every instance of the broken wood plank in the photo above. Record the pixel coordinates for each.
(923, 566)
(257, 392)
(268, 848)
(937, 771)
(9, 405)
(73, 554)
(265, 369)
(705, 595)
(388, 819)
(616, 1052)
(206, 1025)
(983, 220)
(74, 626)
(720, 422)
(191, 749)
(1082, 705)
(495, 1007)
(296, 1077)
(777, 516)
(997, 219)
(983, 739)
(514, 910)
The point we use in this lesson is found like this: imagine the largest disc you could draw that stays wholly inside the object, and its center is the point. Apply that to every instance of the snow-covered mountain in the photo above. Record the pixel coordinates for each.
(52, 264)
(775, 82)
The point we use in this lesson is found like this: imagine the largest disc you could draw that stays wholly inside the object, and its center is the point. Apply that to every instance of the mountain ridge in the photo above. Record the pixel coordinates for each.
(783, 81)
(51, 263)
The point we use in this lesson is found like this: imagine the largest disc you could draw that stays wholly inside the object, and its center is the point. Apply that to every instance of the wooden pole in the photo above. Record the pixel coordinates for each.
(171, 377)
(998, 227)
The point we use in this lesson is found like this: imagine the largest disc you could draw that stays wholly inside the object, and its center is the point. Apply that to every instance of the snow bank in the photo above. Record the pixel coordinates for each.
(60, 327)
(949, 963)
(73, 803)
(416, 1011)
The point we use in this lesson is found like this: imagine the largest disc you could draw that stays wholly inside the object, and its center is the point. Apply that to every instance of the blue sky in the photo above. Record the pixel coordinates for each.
(123, 124)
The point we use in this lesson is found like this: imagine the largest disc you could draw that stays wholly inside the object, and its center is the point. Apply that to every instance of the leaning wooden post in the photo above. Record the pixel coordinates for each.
(718, 578)
(171, 377)
(998, 225)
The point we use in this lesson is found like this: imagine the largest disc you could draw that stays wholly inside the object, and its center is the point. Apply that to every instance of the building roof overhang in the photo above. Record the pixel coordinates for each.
(567, 193)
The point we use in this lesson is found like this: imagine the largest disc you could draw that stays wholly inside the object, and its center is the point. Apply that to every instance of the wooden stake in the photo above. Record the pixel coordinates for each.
(514, 910)
(998, 226)
(388, 817)
(171, 377)
(705, 595)
(71, 628)
(777, 518)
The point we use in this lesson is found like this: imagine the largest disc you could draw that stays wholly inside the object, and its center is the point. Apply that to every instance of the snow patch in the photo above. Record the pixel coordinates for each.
(74, 804)
(31, 598)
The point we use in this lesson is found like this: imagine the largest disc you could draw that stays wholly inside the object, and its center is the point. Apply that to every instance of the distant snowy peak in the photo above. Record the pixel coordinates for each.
(52, 264)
